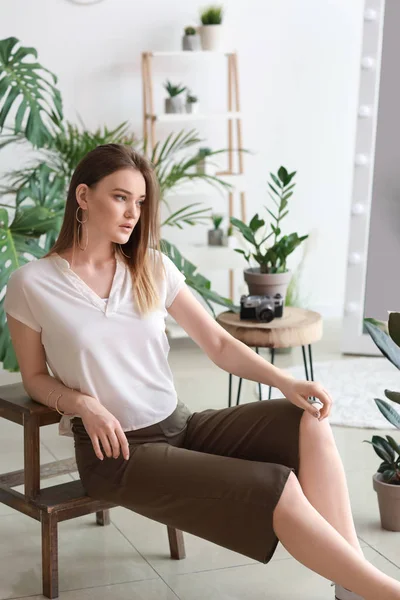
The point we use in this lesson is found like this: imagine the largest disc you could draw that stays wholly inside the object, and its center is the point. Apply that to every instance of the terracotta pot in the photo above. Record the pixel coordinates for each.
(267, 283)
(389, 502)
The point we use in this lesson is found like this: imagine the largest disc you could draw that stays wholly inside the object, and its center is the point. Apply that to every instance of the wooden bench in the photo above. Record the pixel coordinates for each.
(57, 503)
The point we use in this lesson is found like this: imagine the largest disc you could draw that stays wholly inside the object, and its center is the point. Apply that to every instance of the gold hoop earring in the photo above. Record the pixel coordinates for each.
(80, 230)
(120, 247)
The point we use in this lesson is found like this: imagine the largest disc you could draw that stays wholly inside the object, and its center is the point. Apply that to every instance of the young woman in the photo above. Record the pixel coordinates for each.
(93, 312)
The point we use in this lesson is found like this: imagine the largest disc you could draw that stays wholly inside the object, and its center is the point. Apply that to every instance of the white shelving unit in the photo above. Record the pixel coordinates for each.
(205, 257)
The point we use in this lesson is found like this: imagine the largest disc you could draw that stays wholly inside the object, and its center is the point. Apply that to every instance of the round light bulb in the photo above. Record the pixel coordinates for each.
(370, 14)
(351, 308)
(361, 160)
(368, 63)
(357, 209)
(364, 111)
(354, 258)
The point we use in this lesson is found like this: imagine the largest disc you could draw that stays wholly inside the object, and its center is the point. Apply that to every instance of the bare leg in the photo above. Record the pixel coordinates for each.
(311, 540)
(325, 488)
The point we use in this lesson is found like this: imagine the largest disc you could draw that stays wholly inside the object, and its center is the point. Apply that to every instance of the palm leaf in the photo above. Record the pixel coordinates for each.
(30, 89)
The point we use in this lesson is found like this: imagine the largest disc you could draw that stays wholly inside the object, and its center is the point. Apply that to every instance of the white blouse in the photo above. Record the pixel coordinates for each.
(101, 348)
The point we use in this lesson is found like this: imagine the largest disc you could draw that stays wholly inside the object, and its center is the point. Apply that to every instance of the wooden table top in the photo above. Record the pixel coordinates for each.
(297, 327)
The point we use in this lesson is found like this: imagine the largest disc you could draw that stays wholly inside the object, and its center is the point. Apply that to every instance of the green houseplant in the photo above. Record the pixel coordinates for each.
(174, 103)
(270, 249)
(216, 235)
(386, 481)
(192, 103)
(211, 27)
(33, 197)
(191, 40)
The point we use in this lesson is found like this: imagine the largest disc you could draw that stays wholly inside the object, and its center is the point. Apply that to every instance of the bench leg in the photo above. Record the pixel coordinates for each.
(49, 555)
(176, 543)
(103, 517)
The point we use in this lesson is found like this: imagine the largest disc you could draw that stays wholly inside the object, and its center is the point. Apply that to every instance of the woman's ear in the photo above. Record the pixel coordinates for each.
(81, 195)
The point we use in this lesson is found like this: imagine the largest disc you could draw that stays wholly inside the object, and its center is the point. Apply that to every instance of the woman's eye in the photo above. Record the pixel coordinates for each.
(141, 202)
(121, 197)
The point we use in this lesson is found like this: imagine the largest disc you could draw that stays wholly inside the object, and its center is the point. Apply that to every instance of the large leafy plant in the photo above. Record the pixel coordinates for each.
(34, 197)
(271, 255)
(387, 338)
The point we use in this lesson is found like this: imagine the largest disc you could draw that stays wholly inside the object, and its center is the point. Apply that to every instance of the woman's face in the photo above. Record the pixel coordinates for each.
(113, 205)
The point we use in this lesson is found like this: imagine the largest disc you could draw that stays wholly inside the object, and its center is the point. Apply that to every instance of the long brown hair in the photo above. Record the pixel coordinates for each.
(97, 164)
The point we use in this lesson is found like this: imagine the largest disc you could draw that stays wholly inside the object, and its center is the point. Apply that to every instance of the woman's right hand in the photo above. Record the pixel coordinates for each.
(102, 427)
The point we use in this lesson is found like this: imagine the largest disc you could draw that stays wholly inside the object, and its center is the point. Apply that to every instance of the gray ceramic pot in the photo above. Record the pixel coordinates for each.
(191, 42)
(215, 237)
(389, 502)
(267, 283)
(174, 104)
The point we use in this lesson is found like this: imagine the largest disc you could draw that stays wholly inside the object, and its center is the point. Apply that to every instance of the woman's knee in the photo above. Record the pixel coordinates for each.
(291, 495)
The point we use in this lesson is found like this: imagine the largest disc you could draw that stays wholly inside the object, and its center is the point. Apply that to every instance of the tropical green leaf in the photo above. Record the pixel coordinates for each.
(244, 229)
(394, 327)
(388, 412)
(393, 396)
(30, 89)
(384, 342)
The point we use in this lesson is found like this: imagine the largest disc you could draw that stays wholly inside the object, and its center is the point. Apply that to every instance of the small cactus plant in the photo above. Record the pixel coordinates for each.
(190, 30)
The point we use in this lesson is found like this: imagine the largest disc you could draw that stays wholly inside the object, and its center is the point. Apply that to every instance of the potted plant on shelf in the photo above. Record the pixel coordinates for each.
(174, 104)
(272, 275)
(386, 481)
(216, 235)
(211, 28)
(201, 164)
(191, 40)
(192, 103)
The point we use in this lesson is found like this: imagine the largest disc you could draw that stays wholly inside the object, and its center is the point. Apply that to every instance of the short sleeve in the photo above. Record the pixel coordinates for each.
(16, 301)
(175, 280)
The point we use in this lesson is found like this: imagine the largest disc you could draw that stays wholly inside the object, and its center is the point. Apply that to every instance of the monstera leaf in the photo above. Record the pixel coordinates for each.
(18, 245)
(196, 281)
(30, 89)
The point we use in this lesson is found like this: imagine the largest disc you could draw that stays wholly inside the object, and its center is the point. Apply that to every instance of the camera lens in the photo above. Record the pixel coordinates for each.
(266, 315)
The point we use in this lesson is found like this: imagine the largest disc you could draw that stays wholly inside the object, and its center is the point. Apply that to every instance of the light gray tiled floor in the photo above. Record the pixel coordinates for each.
(130, 559)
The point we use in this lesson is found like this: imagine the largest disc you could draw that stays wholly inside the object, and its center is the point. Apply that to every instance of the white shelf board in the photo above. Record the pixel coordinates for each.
(212, 257)
(176, 117)
(191, 53)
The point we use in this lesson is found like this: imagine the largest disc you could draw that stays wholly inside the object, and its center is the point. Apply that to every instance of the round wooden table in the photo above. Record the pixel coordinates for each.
(297, 327)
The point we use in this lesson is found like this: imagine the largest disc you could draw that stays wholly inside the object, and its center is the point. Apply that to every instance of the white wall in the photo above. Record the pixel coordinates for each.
(299, 67)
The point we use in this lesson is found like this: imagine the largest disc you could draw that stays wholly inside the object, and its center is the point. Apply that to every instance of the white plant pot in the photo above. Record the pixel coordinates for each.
(191, 42)
(211, 37)
(173, 105)
(230, 242)
(192, 107)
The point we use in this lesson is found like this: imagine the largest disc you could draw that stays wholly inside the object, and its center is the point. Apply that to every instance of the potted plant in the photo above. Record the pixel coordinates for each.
(386, 481)
(192, 103)
(216, 235)
(174, 104)
(201, 164)
(191, 40)
(272, 275)
(211, 28)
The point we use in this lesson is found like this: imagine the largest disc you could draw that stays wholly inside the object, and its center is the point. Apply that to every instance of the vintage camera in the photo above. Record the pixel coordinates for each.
(261, 308)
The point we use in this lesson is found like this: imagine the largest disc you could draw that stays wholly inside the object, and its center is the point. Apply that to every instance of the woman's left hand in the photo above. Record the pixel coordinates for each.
(298, 392)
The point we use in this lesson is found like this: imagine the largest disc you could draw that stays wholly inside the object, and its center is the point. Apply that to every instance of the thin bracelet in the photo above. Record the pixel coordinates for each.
(56, 406)
(48, 397)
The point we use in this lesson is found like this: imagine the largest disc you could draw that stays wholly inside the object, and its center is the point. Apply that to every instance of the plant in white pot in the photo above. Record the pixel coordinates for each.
(211, 29)
(191, 40)
(386, 481)
(272, 275)
(202, 163)
(174, 102)
(192, 103)
(216, 235)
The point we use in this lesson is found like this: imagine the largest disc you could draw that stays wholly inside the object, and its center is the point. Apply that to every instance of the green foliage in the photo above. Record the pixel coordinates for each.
(191, 99)
(387, 339)
(217, 220)
(190, 30)
(30, 89)
(212, 15)
(174, 90)
(271, 257)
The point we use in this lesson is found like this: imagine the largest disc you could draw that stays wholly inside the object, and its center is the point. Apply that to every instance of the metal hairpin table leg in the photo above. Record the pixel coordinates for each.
(311, 363)
(259, 384)
(230, 390)
(238, 392)
(305, 361)
(272, 362)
